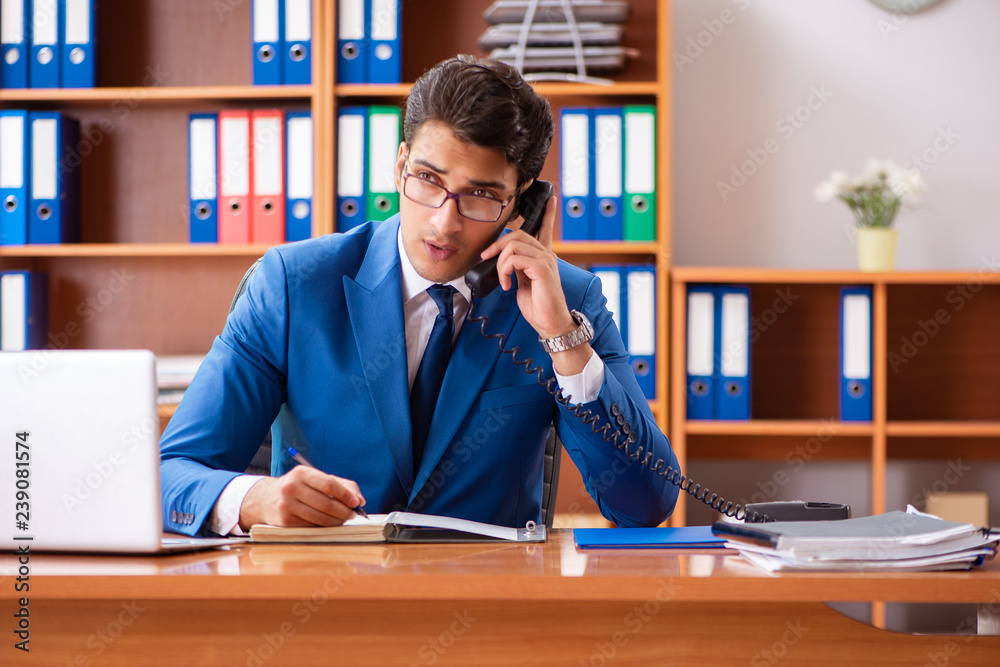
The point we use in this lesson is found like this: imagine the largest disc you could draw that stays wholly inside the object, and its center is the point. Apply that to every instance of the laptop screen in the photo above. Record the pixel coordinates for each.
(80, 461)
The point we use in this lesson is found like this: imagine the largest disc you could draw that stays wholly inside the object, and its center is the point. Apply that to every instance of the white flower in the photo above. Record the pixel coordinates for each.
(907, 183)
(877, 170)
(877, 195)
(838, 183)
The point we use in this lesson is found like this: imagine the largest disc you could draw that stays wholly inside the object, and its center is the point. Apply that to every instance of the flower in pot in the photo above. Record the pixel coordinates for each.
(874, 198)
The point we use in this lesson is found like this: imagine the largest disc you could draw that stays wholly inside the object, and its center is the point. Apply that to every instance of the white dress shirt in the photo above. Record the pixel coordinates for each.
(419, 312)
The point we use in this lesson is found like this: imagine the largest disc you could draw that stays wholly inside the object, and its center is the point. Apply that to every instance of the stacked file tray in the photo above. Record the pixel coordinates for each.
(250, 176)
(552, 39)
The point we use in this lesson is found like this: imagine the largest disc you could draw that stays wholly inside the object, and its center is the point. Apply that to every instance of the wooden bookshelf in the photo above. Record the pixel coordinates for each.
(935, 364)
(160, 60)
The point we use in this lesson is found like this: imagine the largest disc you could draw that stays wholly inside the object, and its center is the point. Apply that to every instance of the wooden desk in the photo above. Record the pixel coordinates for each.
(545, 604)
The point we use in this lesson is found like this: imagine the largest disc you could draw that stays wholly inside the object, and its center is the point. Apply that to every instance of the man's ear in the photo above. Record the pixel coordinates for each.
(404, 150)
(515, 206)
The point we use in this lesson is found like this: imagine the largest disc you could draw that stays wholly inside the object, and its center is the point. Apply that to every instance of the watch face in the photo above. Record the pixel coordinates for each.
(905, 6)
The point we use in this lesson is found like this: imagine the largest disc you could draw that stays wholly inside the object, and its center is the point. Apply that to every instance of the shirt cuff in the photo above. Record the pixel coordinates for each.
(585, 386)
(225, 519)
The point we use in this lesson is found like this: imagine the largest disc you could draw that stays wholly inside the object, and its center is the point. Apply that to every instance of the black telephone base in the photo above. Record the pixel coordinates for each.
(796, 510)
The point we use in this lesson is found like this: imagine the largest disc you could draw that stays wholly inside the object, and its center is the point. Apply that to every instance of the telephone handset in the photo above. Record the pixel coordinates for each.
(483, 277)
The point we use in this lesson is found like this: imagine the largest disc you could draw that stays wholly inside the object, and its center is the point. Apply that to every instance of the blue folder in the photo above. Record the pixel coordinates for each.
(385, 62)
(43, 71)
(24, 308)
(14, 50)
(266, 21)
(14, 173)
(296, 44)
(607, 173)
(576, 174)
(79, 68)
(54, 204)
(352, 41)
(732, 341)
(639, 324)
(702, 362)
(352, 166)
(298, 175)
(203, 177)
(856, 354)
(685, 537)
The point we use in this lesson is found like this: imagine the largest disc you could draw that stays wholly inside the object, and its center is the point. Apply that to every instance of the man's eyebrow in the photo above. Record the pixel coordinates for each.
(498, 185)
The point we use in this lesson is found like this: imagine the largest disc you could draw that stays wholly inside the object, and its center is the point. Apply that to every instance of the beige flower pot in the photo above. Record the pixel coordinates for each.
(876, 248)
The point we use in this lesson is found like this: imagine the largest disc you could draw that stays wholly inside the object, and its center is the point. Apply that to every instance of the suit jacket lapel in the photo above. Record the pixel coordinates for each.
(472, 361)
(375, 306)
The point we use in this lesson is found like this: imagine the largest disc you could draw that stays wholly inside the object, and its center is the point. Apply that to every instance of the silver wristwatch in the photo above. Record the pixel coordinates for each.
(578, 336)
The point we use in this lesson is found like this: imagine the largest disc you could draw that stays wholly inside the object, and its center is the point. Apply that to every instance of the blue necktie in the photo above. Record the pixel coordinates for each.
(427, 383)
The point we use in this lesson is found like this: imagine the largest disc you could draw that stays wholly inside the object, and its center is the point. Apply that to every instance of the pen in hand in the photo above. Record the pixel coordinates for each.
(294, 453)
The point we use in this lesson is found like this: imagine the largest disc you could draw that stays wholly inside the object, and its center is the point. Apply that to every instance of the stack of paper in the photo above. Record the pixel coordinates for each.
(551, 35)
(897, 541)
(173, 375)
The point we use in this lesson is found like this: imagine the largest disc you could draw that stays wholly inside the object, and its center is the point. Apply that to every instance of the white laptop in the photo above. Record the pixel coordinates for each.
(79, 454)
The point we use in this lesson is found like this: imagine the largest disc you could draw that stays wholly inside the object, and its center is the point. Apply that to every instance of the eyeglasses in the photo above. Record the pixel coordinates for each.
(426, 193)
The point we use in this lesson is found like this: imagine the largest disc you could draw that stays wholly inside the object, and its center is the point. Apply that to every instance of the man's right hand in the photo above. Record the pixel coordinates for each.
(303, 496)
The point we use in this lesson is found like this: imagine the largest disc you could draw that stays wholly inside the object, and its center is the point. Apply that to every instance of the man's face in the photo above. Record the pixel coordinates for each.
(441, 243)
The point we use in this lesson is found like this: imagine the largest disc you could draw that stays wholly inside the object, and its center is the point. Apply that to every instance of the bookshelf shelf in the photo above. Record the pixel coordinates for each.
(793, 427)
(140, 94)
(133, 250)
(546, 88)
(949, 429)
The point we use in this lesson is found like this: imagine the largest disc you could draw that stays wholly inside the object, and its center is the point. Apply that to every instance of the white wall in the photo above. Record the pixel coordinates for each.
(923, 88)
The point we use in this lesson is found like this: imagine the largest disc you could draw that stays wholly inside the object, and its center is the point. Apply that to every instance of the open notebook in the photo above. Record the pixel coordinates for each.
(400, 527)
(81, 463)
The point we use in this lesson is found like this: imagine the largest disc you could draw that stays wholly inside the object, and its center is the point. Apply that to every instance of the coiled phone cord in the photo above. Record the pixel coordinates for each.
(621, 437)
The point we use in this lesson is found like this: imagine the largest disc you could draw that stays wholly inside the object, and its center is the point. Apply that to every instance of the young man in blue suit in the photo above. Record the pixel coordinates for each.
(333, 332)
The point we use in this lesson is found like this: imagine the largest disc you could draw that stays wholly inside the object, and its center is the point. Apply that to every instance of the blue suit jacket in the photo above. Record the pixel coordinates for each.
(316, 346)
